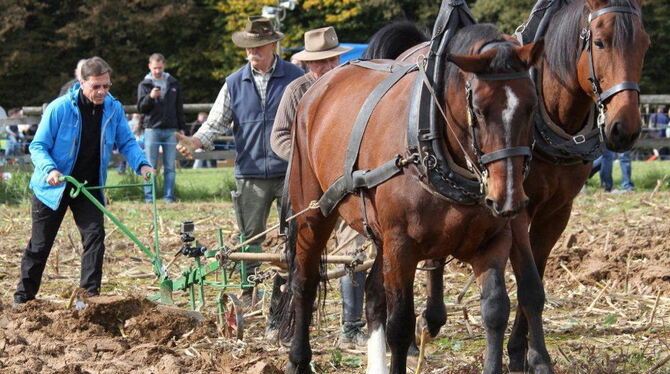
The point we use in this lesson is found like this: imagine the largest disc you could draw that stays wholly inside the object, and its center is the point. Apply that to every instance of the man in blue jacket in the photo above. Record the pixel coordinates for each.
(248, 102)
(75, 137)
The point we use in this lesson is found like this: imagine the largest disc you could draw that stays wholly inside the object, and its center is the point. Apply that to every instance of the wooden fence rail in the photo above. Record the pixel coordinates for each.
(648, 141)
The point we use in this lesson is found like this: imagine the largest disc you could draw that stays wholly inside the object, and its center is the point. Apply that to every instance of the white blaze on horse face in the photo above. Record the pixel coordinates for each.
(377, 352)
(508, 116)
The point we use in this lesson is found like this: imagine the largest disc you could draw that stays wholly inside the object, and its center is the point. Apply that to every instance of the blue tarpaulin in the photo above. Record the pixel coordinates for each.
(356, 52)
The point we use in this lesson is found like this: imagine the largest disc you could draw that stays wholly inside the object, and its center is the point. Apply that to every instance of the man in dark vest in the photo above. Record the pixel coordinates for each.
(248, 102)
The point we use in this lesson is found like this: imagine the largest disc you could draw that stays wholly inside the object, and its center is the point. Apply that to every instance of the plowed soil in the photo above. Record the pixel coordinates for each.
(607, 283)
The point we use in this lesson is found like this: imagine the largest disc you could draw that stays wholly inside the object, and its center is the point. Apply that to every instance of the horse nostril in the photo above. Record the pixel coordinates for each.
(616, 129)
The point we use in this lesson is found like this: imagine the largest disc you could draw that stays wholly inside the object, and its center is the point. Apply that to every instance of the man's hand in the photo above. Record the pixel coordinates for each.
(147, 171)
(155, 93)
(53, 179)
(187, 145)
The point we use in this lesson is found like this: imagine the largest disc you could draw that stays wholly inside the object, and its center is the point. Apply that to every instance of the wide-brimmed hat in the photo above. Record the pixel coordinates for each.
(258, 31)
(321, 44)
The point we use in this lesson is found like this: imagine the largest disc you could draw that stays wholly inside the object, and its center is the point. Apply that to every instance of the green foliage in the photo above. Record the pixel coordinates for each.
(338, 360)
(15, 189)
(42, 40)
(656, 18)
(508, 15)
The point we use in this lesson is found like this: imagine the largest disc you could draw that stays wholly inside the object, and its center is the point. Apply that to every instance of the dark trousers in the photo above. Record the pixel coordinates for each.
(45, 225)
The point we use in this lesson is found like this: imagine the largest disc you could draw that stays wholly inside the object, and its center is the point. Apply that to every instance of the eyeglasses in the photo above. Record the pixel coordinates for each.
(96, 87)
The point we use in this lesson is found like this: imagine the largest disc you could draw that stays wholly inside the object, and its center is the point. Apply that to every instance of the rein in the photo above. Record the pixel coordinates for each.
(602, 97)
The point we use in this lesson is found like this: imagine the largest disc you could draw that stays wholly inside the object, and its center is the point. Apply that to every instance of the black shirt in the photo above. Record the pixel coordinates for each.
(87, 165)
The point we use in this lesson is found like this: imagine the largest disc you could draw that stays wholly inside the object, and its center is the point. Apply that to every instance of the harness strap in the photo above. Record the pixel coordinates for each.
(503, 76)
(362, 179)
(505, 153)
(361, 122)
(618, 88)
(352, 180)
(617, 9)
(385, 66)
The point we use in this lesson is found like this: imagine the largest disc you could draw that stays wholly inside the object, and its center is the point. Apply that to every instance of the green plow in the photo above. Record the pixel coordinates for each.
(212, 267)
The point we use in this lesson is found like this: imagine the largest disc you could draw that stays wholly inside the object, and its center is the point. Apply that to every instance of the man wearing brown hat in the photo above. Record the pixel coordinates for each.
(322, 54)
(248, 102)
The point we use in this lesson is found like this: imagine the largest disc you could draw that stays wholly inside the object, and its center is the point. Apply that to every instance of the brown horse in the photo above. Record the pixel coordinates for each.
(570, 80)
(409, 223)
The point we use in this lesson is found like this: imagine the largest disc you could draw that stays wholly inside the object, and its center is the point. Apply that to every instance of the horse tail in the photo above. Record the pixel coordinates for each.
(286, 314)
(394, 39)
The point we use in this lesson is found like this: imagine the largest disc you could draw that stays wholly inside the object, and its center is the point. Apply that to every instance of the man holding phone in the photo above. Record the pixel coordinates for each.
(159, 99)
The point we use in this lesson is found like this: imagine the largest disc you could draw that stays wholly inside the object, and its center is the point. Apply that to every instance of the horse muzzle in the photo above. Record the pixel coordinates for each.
(509, 208)
(619, 139)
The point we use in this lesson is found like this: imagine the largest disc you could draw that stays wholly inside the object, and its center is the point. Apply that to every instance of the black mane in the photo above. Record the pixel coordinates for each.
(563, 42)
(393, 39)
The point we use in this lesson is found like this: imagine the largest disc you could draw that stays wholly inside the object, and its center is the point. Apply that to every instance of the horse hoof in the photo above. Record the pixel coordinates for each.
(292, 368)
(543, 369)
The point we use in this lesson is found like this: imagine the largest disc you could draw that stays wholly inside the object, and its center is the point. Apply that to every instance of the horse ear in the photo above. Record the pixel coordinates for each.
(531, 53)
(472, 64)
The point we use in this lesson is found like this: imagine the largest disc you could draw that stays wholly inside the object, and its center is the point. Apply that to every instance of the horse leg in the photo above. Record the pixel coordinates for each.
(435, 313)
(375, 313)
(313, 233)
(544, 233)
(527, 338)
(399, 271)
(489, 267)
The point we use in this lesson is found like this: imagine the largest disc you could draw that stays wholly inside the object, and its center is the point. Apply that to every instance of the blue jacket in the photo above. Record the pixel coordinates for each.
(56, 143)
(253, 122)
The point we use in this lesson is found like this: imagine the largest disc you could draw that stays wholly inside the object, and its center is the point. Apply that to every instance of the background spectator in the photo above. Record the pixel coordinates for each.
(159, 98)
(659, 121)
(14, 137)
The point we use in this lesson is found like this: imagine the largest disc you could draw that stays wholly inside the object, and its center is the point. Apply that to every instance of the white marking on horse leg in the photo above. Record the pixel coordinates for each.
(377, 352)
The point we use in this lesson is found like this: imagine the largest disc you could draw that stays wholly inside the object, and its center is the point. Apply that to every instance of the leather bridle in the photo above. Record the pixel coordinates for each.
(483, 159)
(602, 97)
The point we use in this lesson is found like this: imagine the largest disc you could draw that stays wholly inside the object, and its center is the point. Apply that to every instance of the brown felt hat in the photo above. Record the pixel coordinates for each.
(259, 31)
(321, 44)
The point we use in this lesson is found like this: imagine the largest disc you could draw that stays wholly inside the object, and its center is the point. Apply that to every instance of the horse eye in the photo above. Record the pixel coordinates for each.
(599, 44)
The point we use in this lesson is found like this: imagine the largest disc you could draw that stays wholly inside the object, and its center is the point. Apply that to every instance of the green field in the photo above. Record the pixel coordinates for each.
(216, 184)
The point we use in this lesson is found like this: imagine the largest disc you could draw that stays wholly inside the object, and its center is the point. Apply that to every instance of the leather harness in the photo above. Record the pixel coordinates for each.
(425, 137)
(552, 143)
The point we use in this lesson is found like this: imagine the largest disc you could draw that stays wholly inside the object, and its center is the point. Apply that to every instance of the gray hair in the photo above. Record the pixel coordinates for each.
(77, 70)
(93, 67)
(157, 57)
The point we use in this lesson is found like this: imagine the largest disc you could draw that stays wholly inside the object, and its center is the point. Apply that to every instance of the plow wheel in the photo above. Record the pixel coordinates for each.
(231, 318)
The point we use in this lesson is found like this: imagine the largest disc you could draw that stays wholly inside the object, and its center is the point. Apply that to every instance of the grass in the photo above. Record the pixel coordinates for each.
(192, 185)
(195, 185)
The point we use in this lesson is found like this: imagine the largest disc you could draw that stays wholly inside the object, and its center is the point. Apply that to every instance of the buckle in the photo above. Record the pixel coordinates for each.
(579, 139)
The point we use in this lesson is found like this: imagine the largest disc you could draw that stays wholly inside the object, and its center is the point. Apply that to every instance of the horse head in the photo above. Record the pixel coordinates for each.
(597, 48)
(500, 102)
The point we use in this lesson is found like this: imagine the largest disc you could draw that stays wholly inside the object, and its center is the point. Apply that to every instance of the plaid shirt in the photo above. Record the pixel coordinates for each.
(220, 118)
